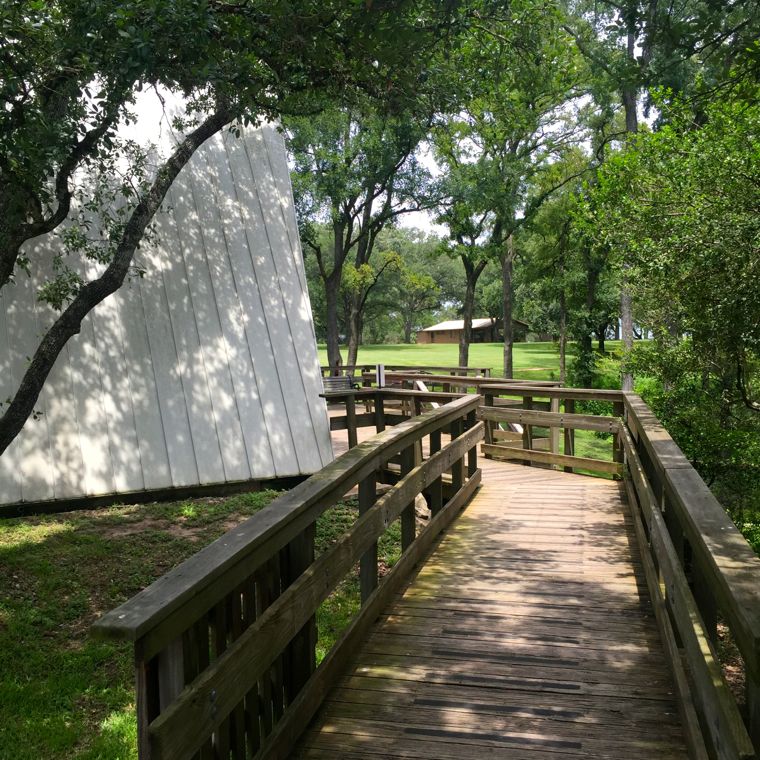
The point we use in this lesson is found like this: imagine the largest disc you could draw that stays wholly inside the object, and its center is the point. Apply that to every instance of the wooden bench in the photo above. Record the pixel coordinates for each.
(339, 383)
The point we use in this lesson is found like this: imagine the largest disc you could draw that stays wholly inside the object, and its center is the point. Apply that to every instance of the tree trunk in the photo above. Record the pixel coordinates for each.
(69, 323)
(466, 335)
(562, 338)
(355, 324)
(626, 323)
(601, 333)
(332, 297)
(626, 300)
(408, 329)
(507, 257)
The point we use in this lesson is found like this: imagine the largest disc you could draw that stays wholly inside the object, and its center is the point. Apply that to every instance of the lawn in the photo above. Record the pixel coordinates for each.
(532, 361)
(64, 694)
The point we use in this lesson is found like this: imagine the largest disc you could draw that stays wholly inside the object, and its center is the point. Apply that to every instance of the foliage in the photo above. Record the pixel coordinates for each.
(684, 201)
(355, 172)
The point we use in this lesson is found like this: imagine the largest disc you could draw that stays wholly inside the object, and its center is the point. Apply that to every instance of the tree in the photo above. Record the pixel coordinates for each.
(511, 129)
(684, 201)
(69, 73)
(355, 169)
(689, 47)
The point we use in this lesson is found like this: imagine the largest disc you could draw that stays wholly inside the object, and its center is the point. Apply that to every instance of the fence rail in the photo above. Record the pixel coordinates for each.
(699, 569)
(225, 643)
(351, 369)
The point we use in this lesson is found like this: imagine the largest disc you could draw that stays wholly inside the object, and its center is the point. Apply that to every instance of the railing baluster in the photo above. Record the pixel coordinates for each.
(457, 470)
(379, 412)
(527, 430)
(300, 657)
(147, 699)
(368, 561)
(408, 517)
(436, 487)
(472, 454)
(569, 443)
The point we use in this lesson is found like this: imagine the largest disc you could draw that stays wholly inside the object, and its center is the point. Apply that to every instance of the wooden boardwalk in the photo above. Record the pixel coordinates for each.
(526, 635)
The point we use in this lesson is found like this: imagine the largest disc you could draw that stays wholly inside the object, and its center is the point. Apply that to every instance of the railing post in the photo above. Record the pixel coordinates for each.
(148, 703)
(351, 420)
(554, 431)
(527, 432)
(488, 424)
(408, 517)
(300, 656)
(752, 695)
(436, 487)
(379, 412)
(618, 410)
(569, 433)
(457, 470)
(472, 454)
(368, 561)
(705, 599)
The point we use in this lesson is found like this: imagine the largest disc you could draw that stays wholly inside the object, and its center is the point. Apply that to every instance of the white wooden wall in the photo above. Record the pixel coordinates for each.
(204, 371)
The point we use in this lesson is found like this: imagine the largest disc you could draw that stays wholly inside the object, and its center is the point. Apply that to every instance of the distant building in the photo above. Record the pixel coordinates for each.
(486, 330)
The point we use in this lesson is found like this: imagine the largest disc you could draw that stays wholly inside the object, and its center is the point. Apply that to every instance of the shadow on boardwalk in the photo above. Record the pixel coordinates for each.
(527, 634)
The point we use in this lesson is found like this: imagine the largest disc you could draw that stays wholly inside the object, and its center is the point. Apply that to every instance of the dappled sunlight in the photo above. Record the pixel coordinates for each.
(528, 629)
(201, 370)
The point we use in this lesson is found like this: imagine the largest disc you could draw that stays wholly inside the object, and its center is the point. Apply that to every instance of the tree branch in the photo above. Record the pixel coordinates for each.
(94, 292)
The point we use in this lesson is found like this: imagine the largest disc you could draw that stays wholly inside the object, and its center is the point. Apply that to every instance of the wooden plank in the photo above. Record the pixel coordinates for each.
(540, 391)
(544, 457)
(551, 419)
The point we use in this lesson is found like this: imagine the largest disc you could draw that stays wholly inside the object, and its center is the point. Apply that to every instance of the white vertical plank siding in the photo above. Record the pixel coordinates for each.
(303, 332)
(213, 211)
(10, 480)
(202, 371)
(33, 457)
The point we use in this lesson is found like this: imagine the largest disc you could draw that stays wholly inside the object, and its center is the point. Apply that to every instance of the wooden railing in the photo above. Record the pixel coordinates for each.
(446, 383)
(352, 369)
(699, 568)
(533, 408)
(225, 643)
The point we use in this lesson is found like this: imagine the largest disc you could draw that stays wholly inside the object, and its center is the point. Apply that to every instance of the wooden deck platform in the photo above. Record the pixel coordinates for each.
(526, 635)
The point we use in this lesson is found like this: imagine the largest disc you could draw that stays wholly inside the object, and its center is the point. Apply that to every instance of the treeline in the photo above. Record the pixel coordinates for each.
(591, 164)
(589, 161)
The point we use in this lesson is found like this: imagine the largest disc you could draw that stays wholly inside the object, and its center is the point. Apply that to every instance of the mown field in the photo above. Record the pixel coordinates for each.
(537, 361)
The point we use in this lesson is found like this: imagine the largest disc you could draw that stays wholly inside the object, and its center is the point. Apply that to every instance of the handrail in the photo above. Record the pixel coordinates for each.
(708, 569)
(253, 594)
(455, 380)
(553, 390)
(351, 368)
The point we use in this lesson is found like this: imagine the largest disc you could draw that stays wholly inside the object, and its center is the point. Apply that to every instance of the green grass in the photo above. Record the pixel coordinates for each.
(64, 694)
(539, 361)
